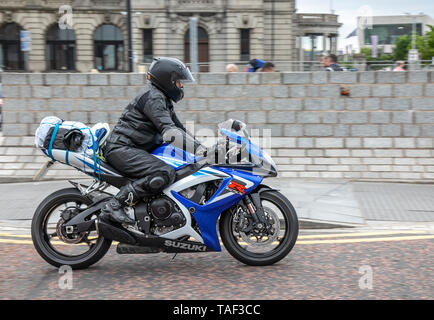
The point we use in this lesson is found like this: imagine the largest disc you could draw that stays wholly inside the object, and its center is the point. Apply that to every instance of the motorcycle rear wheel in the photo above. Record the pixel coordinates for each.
(236, 244)
(48, 249)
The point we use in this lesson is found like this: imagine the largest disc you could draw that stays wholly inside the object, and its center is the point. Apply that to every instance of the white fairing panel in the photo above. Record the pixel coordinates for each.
(80, 160)
(187, 182)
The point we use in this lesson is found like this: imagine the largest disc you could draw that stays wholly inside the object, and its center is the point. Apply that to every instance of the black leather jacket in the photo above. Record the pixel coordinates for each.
(145, 120)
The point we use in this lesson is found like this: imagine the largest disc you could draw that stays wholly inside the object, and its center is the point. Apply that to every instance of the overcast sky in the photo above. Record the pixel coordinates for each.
(348, 10)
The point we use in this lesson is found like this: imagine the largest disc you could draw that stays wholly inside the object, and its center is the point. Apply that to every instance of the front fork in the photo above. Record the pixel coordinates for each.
(253, 204)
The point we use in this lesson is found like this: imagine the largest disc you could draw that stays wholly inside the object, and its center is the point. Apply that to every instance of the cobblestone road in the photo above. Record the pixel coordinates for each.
(321, 266)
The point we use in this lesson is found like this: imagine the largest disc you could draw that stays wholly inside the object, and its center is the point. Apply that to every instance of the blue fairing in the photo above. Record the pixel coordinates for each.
(206, 215)
(175, 157)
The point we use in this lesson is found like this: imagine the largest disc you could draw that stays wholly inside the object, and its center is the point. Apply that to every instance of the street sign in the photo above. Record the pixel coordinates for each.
(413, 55)
(26, 40)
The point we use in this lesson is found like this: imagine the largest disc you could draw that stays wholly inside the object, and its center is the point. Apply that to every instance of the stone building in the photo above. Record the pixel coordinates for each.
(315, 34)
(96, 35)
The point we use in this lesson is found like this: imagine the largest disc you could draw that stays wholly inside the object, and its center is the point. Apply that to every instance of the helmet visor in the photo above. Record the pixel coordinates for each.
(187, 77)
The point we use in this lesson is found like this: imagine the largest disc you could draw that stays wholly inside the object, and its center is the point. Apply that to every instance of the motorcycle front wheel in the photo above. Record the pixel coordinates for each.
(51, 240)
(260, 247)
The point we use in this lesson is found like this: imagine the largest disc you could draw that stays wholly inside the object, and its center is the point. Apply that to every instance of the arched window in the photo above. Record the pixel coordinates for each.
(60, 48)
(202, 48)
(11, 56)
(109, 48)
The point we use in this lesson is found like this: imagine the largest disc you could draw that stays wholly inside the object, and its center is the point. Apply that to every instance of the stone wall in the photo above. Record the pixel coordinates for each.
(383, 131)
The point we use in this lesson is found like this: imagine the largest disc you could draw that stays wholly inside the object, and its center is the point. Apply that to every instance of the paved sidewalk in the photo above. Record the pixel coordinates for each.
(319, 203)
(358, 203)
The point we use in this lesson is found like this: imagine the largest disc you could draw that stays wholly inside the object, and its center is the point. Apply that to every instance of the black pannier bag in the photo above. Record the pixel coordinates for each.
(65, 139)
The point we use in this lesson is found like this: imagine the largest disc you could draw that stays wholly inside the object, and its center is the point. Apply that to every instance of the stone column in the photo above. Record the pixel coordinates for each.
(37, 24)
(333, 44)
(84, 30)
(324, 42)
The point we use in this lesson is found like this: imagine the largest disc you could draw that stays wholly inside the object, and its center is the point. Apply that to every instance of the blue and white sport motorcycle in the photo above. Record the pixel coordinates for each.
(256, 224)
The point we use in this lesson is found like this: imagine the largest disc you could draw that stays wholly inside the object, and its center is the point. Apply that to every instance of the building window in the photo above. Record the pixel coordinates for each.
(147, 45)
(245, 44)
(11, 56)
(60, 48)
(389, 33)
(109, 48)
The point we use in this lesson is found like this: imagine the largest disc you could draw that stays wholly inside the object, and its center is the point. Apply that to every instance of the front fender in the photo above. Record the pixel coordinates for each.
(262, 188)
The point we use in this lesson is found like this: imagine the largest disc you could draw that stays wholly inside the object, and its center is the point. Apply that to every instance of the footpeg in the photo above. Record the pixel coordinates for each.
(123, 248)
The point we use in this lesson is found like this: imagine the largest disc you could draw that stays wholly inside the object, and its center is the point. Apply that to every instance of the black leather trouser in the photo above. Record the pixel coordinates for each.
(139, 165)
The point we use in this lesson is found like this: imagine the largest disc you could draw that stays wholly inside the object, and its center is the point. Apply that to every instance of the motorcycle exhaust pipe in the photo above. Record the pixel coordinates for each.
(114, 233)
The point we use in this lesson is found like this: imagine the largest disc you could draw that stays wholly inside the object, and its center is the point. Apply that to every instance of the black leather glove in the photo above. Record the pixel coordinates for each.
(214, 154)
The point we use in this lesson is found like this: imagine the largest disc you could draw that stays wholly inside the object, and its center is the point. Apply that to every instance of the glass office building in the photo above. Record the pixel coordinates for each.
(389, 33)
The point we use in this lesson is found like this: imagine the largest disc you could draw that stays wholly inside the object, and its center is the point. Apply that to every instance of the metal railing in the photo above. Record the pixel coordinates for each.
(388, 65)
(282, 66)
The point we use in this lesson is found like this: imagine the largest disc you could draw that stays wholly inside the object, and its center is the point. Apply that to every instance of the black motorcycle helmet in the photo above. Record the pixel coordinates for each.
(164, 72)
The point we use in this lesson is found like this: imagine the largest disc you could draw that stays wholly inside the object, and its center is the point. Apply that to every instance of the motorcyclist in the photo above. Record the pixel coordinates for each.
(147, 122)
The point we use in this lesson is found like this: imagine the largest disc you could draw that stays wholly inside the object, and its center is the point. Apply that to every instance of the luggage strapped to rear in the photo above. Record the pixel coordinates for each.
(85, 146)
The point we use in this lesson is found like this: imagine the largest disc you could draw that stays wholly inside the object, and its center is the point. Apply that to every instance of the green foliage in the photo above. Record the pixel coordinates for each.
(402, 45)
(380, 57)
(424, 44)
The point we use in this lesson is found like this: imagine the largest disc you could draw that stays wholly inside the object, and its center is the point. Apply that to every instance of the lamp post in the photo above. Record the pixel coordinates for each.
(193, 45)
(413, 36)
(413, 54)
(130, 42)
(273, 8)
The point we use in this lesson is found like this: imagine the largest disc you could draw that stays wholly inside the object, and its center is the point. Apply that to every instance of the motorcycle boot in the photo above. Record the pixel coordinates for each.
(114, 209)
(133, 192)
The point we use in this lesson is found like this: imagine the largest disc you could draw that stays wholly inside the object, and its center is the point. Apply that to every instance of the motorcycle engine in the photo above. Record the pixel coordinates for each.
(166, 215)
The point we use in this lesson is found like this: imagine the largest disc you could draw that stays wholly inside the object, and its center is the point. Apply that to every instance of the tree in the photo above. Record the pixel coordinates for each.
(425, 45)
(402, 45)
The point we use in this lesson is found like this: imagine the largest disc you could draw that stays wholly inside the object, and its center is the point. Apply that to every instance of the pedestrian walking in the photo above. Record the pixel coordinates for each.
(255, 65)
(268, 67)
(400, 66)
(231, 68)
(330, 63)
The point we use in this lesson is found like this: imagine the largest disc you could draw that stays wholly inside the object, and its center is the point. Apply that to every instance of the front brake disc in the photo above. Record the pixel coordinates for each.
(258, 240)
